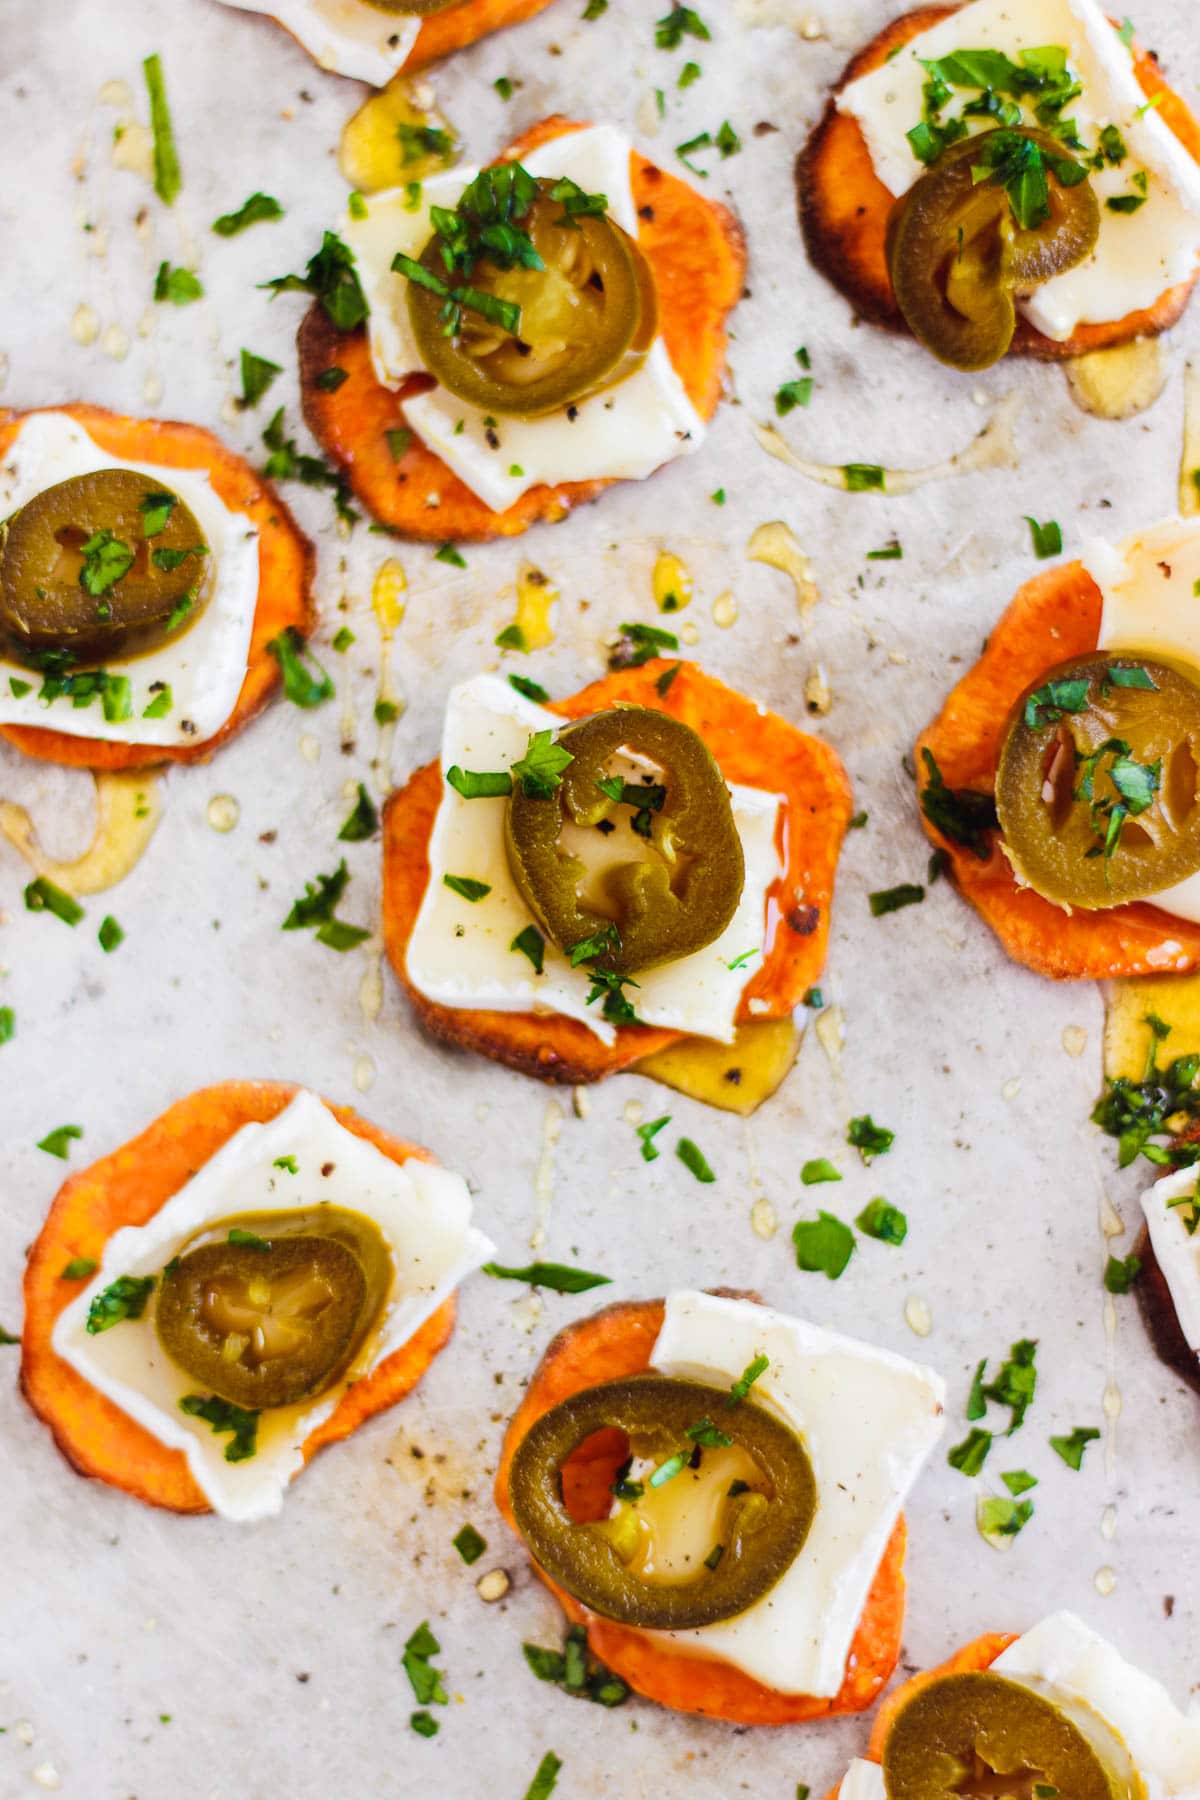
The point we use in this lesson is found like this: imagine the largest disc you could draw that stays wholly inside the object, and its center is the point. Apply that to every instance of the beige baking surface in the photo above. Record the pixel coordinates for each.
(275, 1651)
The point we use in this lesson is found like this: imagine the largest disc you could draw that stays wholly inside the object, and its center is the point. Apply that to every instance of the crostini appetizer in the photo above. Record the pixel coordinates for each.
(1054, 1711)
(579, 885)
(714, 1490)
(151, 585)
(244, 1283)
(371, 40)
(1061, 776)
(1009, 175)
(523, 334)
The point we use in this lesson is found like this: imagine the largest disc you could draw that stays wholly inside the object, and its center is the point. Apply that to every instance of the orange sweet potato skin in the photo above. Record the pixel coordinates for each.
(844, 207)
(1053, 617)
(980, 1654)
(441, 34)
(128, 1187)
(617, 1342)
(751, 746)
(696, 250)
(287, 563)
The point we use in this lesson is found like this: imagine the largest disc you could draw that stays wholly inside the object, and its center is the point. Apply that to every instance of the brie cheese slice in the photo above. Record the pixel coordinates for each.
(347, 37)
(423, 1211)
(461, 952)
(1176, 1249)
(203, 666)
(1138, 254)
(623, 432)
(869, 1419)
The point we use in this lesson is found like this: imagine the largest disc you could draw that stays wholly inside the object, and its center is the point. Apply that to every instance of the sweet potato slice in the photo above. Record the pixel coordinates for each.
(441, 34)
(614, 1343)
(697, 252)
(287, 563)
(1053, 617)
(844, 206)
(128, 1187)
(980, 1654)
(753, 747)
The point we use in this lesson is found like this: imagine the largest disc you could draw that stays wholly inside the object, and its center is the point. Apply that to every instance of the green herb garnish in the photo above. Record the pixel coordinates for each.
(560, 1278)
(254, 211)
(363, 821)
(125, 1298)
(824, 1245)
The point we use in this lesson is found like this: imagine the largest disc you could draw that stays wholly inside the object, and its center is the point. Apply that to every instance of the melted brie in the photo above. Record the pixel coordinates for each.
(1176, 1249)
(624, 432)
(205, 665)
(346, 36)
(1139, 254)
(1066, 1653)
(423, 1211)
(868, 1419)
(460, 952)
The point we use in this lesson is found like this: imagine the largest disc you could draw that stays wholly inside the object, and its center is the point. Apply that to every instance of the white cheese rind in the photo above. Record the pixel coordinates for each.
(622, 433)
(460, 951)
(1067, 1654)
(1177, 1253)
(862, 1781)
(1150, 606)
(1163, 1742)
(345, 36)
(1138, 255)
(205, 665)
(423, 1211)
(869, 1419)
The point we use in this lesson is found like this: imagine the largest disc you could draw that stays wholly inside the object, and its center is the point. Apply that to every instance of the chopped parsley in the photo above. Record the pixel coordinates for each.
(110, 934)
(679, 23)
(558, 1277)
(363, 821)
(158, 708)
(1018, 1481)
(287, 463)
(532, 944)
(428, 1683)
(424, 1724)
(342, 640)
(331, 278)
(115, 692)
(647, 1133)
(890, 900)
(247, 1240)
(1052, 702)
(78, 1269)
(662, 683)
(316, 908)
(793, 394)
(1121, 1272)
(467, 887)
(8, 1024)
(1013, 1387)
(1136, 1112)
(1021, 167)
(999, 1517)
(892, 552)
(690, 72)
(574, 1670)
(105, 559)
(124, 1298)
(58, 1142)
(420, 141)
(257, 375)
(692, 1158)
(168, 177)
(864, 478)
(819, 1169)
(223, 1416)
(529, 689)
(824, 1245)
(287, 1163)
(545, 1779)
(595, 9)
(475, 784)
(1072, 1446)
(1047, 538)
(399, 443)
(746, 1380)
(969, 1456)
(964, 815)
(304, 680)
(254, 211)
(179, 286)
(156, 510)
(702, 141)
(540, 770)
(504, 86)
(42, 896)
(740, 962)
(449, 554)
(469, 1544)
(640, 644)
(868, 1138)
(1125, 203)
(331, 379)
(668, 1470)
(881, 1220)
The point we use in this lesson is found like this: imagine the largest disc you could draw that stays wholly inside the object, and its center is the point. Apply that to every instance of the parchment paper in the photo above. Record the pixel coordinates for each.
(150, 1656)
